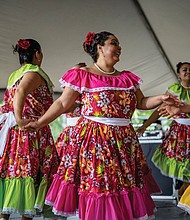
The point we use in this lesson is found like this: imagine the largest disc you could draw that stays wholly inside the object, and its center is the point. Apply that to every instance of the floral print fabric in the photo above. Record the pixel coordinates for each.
(103, 161)
(27, 155)
(172, 156)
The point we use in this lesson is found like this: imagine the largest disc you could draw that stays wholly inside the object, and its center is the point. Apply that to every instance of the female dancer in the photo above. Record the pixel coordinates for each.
(103, 172)
(27, 160)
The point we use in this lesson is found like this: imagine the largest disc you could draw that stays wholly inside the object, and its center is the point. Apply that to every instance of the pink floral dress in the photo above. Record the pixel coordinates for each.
(65, 136)
(30, 158)
(103, 172)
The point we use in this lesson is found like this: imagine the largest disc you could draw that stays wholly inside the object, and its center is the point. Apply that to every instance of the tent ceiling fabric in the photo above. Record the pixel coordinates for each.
(170, 22)
(61, 26)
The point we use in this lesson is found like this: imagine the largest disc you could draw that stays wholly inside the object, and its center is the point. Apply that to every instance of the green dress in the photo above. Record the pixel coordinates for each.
(172, 157)
(29, 159)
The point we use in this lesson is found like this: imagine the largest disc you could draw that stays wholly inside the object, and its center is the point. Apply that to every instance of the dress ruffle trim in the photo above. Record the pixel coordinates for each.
(135, 203)
(171, 167)
(18, 195)
(184, 202)
(184, 207)
(82, 80)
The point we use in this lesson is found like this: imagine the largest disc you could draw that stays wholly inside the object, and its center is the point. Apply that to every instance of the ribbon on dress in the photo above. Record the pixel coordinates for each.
(110, 121)
(183, 121)
(72, 121)
(10, 121)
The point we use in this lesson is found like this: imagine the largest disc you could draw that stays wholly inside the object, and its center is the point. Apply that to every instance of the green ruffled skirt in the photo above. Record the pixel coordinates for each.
(28, 199)
(172, 167)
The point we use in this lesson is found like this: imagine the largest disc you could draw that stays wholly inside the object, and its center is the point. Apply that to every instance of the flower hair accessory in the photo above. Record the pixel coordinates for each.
(24, 44)
(89, 38)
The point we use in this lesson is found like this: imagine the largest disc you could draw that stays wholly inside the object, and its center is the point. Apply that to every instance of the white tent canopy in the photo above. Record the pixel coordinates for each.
(153, 35)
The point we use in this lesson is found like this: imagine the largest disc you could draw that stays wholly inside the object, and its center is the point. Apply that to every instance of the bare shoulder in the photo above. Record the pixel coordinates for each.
(34, 77)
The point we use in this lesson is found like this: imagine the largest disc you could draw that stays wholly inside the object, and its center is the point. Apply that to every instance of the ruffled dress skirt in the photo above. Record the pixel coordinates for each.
(103, 175)
(184, 202)
(27, 167)
(172, 157)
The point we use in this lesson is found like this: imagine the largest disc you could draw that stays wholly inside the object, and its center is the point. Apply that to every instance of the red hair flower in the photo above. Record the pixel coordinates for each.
(89, 38)
(24, 44)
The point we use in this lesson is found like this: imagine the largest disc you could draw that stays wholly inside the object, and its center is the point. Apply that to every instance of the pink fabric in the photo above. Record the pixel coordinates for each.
(62, 196)
(81, 80)
(123, 205)
(151, 187)
(103, 166)
(67, 200)
(53, 190)
(135, 204)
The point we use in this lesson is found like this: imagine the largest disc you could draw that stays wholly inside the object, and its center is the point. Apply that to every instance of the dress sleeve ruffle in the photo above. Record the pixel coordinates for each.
(81, 80)
(71, 79)
(178, 90)
(174, 87)
(134, 79)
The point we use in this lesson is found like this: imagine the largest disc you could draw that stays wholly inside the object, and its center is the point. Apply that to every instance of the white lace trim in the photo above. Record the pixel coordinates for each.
(146, 217)
(26, 213)
(84, 89)
(184, 207)
(63, 213)
(38, 207)
(49, 203)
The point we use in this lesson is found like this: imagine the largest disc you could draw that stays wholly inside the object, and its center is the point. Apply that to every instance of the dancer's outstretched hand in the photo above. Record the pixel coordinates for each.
(169, 110)
(172, 100)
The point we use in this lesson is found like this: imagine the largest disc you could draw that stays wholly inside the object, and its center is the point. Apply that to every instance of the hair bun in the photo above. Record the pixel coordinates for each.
(23, 43)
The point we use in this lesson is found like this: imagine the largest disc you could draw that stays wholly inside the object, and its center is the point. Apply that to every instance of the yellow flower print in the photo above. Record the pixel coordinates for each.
(96, 113)
(11, 161)
(96, 97)
(100, 170)
(119, 144)
(83, 131)
(66, 175)
(36, 144)
(132, 150)
(48, 151)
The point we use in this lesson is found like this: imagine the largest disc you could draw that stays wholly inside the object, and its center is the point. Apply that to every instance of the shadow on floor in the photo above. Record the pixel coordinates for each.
(168, 210)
